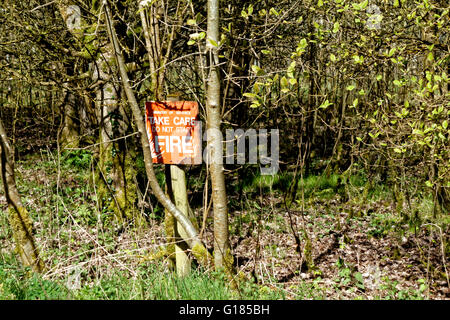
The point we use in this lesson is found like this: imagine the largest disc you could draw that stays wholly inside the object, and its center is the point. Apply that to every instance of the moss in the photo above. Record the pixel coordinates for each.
(102, 189)
(229, 269)
(307, 252)
(399, 199)
(130, 210)
(69, 137)
(20, 222)
(366, 190)
(157, 255)
(117, 190)
(89, 43)
(169, 228)
(23, 235)
(202, 255)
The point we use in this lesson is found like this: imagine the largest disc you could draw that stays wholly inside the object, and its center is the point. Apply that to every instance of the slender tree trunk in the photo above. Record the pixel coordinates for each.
(198, 250)
(222, 253)
(69, 133)
(18, 217)
(151, 46)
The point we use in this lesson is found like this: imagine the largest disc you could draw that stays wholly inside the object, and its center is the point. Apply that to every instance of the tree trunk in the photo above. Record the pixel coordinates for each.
(222, 254)
(69, 133)
(115, 171)
(18, 217)
(114, 160)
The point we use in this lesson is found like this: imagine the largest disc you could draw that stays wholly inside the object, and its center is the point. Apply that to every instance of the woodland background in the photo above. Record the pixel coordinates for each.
(359, 208)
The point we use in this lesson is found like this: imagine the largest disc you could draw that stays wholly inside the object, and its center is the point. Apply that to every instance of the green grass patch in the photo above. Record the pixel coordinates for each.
(17, 283)
(77, 158)
(151, 282)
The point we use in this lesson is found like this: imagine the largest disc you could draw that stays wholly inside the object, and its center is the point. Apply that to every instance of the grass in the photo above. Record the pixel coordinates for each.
(150, 282)
(312, 185)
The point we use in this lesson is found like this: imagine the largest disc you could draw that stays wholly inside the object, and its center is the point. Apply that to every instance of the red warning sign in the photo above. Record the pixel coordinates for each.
(174, 132)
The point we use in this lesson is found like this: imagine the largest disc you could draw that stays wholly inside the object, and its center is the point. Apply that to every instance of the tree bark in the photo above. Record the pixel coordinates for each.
(69, 132)
(222, 253)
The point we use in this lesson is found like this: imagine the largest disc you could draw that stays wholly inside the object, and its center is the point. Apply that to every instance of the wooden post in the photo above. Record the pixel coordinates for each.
(176, 180)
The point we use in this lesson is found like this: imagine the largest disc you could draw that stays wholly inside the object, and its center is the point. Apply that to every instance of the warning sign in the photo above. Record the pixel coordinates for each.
(174, 132)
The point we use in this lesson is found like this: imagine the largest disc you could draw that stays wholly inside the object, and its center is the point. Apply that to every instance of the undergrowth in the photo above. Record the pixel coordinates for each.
(74, 234)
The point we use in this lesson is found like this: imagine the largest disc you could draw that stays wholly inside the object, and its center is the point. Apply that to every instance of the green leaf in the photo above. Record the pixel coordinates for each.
(250, 10)
(350, 87)
(191, 22)
(212, 42)
(255, 104)
(332, 57)
(273, 11)
(227, 29)
(303, 43)
(358, 59)
(290, 69)
(284, 82)
(336, 27)
(358, 276)
(391, 52)
(256, 69)
(325, 104)
(250, 95)
(360, 6)
(364, 4)
(445, 124)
